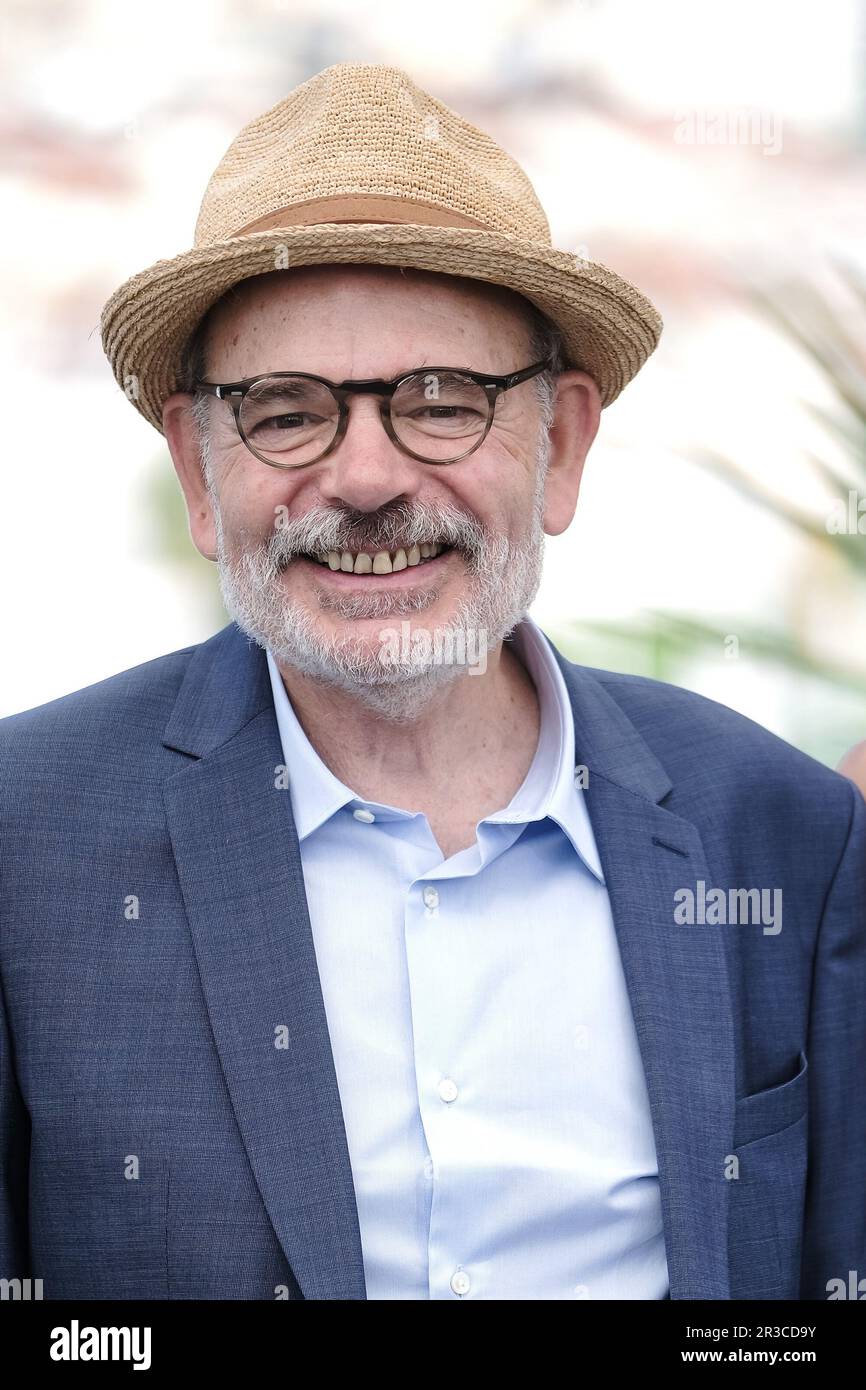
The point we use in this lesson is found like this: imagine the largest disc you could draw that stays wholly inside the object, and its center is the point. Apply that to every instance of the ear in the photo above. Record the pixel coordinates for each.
(577, 411)
(183, 441)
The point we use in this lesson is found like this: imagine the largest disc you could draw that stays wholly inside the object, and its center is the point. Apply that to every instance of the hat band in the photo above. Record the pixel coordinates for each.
(360, 208)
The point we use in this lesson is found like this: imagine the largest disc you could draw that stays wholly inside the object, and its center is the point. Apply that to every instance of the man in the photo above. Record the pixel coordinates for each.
(371, 949)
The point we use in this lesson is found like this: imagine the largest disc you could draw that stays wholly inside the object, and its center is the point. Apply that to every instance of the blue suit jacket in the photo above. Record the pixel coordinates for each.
(154, 932)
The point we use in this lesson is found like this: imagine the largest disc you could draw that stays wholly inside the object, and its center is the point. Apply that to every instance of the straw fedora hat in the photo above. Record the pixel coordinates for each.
(359, 165)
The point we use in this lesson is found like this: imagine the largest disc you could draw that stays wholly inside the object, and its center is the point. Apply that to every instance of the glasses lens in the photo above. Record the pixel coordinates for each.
(289, 419)
(439, 415)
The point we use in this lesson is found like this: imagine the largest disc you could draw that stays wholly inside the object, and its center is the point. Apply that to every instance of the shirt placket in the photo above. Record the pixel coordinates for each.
(441, 934)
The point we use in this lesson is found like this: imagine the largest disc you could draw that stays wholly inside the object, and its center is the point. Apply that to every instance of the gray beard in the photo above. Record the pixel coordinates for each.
(503, 580)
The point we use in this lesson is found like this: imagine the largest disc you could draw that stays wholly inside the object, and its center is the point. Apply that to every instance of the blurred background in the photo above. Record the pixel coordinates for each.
(713, 154)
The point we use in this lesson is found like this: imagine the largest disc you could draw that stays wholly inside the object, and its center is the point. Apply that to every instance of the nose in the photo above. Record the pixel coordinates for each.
(366, 470)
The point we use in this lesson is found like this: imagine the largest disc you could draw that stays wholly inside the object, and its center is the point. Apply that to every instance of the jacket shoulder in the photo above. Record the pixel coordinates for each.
(112, 708)
(693, 735)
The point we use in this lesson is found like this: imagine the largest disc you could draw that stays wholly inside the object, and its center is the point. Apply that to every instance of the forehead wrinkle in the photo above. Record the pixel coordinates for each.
(239, 314)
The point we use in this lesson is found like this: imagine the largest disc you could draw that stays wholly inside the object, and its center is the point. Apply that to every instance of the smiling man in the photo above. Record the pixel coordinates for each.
(341, 952)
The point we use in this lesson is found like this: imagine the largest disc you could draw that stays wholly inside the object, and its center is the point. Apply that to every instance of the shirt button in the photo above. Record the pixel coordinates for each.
(447, 1089)
(431, 896)
(363, 814)
(460, 1282)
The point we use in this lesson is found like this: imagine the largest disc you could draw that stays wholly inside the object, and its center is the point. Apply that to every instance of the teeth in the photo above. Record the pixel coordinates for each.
(382, 562)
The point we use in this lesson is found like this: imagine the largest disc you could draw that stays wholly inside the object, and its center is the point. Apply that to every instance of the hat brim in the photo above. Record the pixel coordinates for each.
(609, 328)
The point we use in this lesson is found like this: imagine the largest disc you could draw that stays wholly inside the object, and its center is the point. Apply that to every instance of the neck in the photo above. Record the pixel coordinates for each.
(463, 757)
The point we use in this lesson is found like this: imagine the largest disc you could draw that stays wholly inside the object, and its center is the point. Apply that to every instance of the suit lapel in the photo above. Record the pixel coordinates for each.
(239, 867)
(676, 978)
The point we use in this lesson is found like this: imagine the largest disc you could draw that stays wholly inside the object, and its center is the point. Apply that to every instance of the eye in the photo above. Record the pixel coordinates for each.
(441, 403)
(445, 412)
(298, 419)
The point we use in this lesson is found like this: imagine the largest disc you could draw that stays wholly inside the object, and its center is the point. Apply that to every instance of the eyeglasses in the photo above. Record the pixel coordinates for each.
(434, 414)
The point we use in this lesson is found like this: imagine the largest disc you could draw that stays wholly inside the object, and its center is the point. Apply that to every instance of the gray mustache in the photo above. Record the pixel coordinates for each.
(329, 528)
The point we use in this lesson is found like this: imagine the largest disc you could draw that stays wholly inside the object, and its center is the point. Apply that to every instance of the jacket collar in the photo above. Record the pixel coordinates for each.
(227, 684)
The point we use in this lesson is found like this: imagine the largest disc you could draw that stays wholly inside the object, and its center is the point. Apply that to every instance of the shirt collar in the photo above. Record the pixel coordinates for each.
(549, 789)
(316, 793)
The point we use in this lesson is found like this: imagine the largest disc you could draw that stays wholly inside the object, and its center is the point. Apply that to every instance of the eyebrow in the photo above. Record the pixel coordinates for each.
(276, 390)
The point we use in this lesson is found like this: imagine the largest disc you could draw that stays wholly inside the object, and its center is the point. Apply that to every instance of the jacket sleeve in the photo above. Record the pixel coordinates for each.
(14, 1162)
(834, 1237)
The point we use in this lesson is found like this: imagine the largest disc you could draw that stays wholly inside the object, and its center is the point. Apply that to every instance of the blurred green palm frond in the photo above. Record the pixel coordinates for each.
(662, 640)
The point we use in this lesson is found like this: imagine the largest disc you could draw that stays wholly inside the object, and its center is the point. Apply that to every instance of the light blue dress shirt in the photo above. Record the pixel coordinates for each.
(492, 1089)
